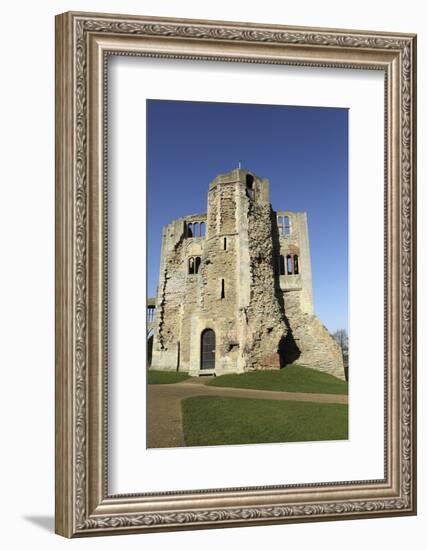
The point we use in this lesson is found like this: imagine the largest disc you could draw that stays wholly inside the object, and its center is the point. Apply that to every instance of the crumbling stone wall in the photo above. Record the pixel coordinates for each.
(169, 301)
(171, 341)
(267, 328)
(317, 348)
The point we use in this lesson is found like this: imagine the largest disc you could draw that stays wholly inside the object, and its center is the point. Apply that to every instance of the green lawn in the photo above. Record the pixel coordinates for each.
(292, 378)
(165, 377)
(230, 421)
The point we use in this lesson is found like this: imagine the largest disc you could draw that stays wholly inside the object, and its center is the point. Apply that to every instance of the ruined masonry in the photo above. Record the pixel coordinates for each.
(235, 289)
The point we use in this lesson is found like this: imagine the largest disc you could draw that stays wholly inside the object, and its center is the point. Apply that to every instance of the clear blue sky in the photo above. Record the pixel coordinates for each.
(303, 151)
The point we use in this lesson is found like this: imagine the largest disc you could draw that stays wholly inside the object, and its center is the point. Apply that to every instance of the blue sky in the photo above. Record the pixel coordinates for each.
(303, 151)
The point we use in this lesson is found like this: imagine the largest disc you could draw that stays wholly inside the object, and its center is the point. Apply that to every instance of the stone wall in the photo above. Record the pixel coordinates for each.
(255, 328)
(316, 347)
(172, 340)
(218, 280)
(266, 335)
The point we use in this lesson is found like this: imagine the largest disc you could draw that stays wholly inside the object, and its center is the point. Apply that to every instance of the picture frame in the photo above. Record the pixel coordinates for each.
(84, 41)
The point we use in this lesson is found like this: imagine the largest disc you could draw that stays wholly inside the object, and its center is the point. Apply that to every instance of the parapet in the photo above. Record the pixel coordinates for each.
(256, 188)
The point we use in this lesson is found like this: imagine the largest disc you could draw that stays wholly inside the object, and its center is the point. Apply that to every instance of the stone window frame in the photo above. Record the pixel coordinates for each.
(195, 229)
(193, 265)
(151, 314)
(296, 264)
(282, 270)
(284, 225)
(289, 265)
(250, 186)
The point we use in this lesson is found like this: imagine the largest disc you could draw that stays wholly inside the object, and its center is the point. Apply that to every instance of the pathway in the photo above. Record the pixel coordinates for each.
(164, 406)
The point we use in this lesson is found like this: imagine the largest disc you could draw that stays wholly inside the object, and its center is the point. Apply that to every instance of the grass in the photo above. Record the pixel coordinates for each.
(292, 378)
(230, 421)
(165, 377)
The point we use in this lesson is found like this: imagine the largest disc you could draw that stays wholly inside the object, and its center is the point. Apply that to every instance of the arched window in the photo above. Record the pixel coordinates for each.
(195, 229)
(296, 266)
(197, 264)
(281, 265)
(289, 264)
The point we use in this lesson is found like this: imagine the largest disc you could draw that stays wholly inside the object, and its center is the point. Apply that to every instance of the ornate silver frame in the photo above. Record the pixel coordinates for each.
(83, 506)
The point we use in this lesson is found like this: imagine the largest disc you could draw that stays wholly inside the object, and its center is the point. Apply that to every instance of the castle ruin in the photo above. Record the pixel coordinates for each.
(235, 288)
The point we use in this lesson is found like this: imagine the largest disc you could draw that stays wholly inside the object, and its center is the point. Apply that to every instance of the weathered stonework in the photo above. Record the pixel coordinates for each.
(235, 288)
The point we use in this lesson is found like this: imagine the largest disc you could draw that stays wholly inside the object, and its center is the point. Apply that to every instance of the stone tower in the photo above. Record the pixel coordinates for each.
(235, 289)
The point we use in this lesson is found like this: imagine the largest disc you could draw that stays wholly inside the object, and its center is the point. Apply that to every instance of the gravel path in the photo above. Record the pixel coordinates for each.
(164, 406)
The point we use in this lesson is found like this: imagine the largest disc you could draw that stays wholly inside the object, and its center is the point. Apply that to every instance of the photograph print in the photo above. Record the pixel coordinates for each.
(247, 274)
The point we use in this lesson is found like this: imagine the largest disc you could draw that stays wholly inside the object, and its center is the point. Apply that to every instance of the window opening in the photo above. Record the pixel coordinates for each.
(250, 186)
(281, 265)
(296, 266)
(191, 266)
(289, 264)
(151, 314)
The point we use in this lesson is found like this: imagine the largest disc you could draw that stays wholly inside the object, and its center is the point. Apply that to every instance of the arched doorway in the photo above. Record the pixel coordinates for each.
(207, 350)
